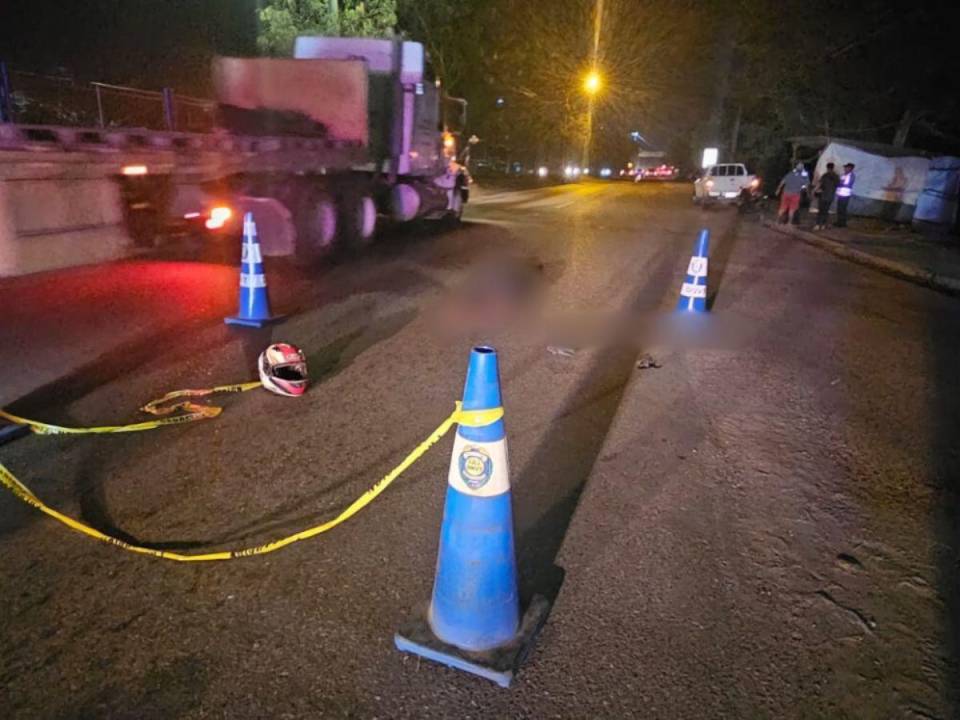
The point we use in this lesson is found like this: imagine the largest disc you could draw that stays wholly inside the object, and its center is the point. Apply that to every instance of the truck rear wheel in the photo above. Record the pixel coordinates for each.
(358, 218)
(317, 223)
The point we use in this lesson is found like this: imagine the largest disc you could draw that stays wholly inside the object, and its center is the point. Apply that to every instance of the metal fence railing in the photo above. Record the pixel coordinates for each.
(39, 99)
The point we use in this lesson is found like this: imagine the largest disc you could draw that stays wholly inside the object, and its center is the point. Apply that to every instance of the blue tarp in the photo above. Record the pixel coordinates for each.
(937, 202)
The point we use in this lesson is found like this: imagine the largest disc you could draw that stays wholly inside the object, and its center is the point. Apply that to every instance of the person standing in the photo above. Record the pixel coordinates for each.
(844, 193)
(825, 191)
(793, 183)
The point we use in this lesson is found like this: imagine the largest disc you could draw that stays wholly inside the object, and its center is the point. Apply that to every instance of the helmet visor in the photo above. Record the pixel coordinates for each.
(291, 372)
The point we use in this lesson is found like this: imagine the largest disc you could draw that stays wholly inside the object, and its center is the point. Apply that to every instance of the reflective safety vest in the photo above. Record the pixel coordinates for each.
(846, 184)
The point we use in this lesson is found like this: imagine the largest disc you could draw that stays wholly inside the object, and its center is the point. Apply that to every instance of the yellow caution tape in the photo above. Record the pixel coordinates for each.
(191, 412)
(468, 418)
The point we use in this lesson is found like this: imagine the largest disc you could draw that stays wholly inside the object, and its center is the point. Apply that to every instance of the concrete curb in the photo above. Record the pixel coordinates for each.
(918, 276)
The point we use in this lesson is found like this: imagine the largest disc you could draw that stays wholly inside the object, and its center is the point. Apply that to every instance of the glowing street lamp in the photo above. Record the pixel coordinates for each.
(592, 83)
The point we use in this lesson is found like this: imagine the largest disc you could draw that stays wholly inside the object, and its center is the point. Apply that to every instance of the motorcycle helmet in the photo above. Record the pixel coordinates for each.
(283, 370)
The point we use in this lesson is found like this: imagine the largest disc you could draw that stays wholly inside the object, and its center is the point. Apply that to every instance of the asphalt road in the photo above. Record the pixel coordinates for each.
(765, 526)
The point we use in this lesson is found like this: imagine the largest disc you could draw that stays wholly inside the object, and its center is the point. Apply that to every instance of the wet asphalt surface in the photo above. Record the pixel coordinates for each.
(764, 528)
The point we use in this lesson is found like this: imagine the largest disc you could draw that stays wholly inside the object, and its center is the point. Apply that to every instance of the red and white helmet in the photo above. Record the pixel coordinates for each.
(283, 370)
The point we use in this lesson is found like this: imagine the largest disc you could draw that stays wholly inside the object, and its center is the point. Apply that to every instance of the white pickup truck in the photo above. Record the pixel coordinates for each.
(724, 183)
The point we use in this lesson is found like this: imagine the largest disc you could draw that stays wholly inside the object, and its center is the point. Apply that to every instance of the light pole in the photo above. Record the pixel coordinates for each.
(592, 84)
(593, 81)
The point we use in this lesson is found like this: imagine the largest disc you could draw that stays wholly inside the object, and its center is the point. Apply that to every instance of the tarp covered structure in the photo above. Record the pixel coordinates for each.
(889, 180)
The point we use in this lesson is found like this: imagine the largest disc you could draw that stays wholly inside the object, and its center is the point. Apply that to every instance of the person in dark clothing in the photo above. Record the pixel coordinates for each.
(844, 193)
(825, 191)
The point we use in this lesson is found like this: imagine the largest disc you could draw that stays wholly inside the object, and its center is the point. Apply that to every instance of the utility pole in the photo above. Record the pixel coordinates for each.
(722, 71)
(735, 133)
(593, 82)
(333, 7)
(6, 103)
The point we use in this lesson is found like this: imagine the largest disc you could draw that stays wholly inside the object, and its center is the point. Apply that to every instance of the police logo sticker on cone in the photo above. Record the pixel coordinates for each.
(254, 310)
(479, 469)
(473, 621)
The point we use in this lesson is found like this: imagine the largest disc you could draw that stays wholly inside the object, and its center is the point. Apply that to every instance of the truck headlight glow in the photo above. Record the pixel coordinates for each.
(449, 144)
(219, 216)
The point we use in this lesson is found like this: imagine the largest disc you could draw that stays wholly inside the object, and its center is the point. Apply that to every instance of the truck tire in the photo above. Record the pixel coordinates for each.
(358, 218)
(146, 208)
(143, 227)
(317, 222)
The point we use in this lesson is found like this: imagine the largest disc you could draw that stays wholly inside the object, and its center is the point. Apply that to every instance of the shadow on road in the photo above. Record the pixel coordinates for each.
(780, 247)
(720, 256)
(944, 330)
(549, 490)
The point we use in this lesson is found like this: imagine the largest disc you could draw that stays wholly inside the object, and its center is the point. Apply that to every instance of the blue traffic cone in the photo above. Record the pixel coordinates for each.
(254, 303)
(473, 621)
(693, 292)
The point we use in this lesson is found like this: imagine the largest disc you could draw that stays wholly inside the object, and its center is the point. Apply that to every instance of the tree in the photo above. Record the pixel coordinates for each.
(454, 36)
(521, 64)
(370, 18)
(871, 71)
(281, 21)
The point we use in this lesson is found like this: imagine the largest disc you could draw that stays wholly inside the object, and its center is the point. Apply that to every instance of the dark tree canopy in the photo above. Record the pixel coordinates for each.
(743, 74)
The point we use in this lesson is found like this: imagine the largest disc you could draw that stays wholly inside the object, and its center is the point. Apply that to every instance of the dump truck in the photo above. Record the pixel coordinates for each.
(321, 147)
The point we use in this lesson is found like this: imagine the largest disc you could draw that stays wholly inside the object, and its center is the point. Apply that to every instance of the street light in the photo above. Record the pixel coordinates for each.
(592, 83)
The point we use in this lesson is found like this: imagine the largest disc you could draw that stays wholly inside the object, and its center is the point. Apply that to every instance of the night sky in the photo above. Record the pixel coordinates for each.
(146, 43)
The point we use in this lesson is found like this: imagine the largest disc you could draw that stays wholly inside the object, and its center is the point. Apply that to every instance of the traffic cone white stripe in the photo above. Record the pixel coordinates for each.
(480, 469)
(253, 281)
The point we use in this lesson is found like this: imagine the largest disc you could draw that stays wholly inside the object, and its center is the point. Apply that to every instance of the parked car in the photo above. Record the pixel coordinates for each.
(661, 172)
(723, 183)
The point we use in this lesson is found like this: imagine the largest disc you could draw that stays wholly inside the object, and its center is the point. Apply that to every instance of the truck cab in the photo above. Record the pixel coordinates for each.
(403, 98)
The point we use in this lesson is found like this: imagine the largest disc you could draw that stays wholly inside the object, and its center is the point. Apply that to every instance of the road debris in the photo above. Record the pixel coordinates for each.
(647, 362)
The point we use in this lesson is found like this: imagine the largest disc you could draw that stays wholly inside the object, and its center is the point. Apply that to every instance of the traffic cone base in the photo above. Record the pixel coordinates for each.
(498, 664)
(247, 322)
(473, 620)
(254, 310)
